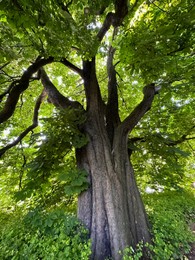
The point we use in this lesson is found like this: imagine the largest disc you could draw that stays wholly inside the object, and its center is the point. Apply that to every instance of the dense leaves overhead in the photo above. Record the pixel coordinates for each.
(52, 28)
(160, 41)
(154, 43)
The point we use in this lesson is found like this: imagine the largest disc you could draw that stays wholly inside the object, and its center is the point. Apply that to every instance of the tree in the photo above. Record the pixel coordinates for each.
(111, 49)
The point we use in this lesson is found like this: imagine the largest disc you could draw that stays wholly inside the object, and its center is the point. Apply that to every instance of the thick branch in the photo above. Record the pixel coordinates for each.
(72, 67)
(115, 19)
(8, 89)
(112, 116)
(30, 128)
(131, 121)
(121, 10)
(112, 83)
(54, 96)
(106, 26)
(19, 87)
(92, 90)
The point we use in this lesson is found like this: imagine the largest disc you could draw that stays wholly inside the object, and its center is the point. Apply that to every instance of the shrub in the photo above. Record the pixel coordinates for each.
(170, 214)
(45, 235)
(129, 253)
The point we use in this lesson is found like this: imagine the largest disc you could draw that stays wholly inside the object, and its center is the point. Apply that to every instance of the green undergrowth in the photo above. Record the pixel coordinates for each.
(170, 215)
(57, 234)
(45, 235)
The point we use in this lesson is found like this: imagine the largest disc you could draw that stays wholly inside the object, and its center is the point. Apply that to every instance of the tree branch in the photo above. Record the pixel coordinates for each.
(182, 139)
(121, 10)
(54, 96)
(72, 66)
(30, 128)
(20, 86)
(4, 65)
(166, 141)
(112, 116)
(92, 89)
(131, 121)
(181, 48)
(106, 26)
(136, 139)
(5, 74)
(115, 19)
(152, 2)
(8, 89)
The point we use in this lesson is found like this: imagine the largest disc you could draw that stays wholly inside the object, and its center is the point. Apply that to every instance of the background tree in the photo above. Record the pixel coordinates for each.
(100, 55)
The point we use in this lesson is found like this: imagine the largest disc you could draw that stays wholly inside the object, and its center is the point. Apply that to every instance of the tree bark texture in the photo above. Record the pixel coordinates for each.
(111, 208)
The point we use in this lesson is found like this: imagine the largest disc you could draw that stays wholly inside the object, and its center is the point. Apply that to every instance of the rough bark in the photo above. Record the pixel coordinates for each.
(111, 208)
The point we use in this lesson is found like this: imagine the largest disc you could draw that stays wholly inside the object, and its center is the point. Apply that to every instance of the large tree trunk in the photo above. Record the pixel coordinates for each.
(111, 208)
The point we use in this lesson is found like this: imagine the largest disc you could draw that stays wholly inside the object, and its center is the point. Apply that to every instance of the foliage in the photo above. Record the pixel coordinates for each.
(160, 32)
(170, 214)
(133, 254)
(45, 235)
(50, 165)
(55, 234)
(161, 158)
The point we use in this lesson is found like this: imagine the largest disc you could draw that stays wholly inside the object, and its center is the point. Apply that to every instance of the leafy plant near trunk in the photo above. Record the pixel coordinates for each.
(45, 235)
(171, 214)
(101, 64)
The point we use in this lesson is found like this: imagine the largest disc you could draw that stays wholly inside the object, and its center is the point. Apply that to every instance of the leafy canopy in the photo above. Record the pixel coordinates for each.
(155, 43)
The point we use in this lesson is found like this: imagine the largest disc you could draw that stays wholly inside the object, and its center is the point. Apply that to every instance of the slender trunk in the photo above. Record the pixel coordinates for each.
(111, 208)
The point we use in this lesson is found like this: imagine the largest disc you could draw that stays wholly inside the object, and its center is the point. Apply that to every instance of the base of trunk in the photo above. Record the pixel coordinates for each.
(111, 208)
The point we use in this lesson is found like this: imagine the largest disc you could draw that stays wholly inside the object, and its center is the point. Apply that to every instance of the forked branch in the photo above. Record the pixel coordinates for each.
(30, 128)
(115, 19)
